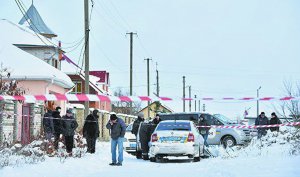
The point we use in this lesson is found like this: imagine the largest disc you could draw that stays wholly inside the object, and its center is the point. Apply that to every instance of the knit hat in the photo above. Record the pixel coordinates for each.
(262, 113)
(57, 108)
(273, 114)
(113, 117)
(95, 111)
(141, 115)
(69, 111)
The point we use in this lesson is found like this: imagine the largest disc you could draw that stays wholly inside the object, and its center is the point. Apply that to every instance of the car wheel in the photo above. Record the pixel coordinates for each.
(197, 159)
(152, 159)
(228, 141)
(138, 154)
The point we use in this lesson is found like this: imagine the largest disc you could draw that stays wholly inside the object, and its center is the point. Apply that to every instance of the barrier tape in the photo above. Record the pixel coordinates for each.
(106, 98)
(251, 126)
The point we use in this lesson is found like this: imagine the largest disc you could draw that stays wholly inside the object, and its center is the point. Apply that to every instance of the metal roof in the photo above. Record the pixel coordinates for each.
(36, 22)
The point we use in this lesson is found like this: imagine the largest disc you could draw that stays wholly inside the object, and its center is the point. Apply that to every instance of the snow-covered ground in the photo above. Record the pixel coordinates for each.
(278, 165)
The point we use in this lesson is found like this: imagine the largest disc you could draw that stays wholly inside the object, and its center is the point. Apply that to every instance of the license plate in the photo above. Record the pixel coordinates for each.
(132, 145)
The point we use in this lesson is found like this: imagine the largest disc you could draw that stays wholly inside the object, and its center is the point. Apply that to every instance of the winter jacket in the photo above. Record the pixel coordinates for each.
(57, 122)
(48, 122)
(155, 121)
(69, 125)
(117, 130)
(91, 127)
(136, 125)
(262, 121)
(204, 130)
(273, 121)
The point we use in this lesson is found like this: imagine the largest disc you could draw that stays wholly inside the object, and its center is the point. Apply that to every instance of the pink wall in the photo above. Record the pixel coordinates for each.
(39, 88)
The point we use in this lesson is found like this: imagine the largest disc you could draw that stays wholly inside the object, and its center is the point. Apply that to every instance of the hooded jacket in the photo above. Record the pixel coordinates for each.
(91, 127)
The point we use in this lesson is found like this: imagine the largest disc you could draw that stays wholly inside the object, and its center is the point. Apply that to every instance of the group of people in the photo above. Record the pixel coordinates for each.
(263, 120)
(54, 126)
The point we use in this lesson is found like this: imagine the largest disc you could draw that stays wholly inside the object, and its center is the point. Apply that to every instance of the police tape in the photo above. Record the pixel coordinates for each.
(107, 98)
(251, 126)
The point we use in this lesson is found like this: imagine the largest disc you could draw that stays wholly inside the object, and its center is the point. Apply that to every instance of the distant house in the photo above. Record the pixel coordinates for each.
(95, 87)
(32, 74)
(155, 107)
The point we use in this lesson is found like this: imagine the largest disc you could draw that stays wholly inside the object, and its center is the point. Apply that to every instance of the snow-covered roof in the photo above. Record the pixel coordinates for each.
(25, 66)
(21, 35)
(36, 22)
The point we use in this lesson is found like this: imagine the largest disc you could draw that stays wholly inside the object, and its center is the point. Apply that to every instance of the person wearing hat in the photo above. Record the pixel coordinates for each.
(156, 119)
(48, 124)
(136, 123)
(69, 125)
(274, 120)
(117, 129)
(91, 130)
(57, 125)
(262, 120)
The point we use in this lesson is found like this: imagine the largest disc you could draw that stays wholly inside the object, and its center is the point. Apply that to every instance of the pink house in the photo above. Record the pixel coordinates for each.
(34, 75)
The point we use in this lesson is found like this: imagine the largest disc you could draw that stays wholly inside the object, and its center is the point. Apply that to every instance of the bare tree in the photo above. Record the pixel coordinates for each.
(124, 107)
(290, 108)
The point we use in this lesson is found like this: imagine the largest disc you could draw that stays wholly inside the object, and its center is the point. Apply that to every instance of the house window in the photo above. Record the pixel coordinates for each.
(78, 87)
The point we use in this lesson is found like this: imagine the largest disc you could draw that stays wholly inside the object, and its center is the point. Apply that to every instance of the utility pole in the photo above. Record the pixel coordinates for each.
(86, 56)
(190, 97)
(148, 83)
(257, 103)
(183, 93)
(157, 82)
(131, 63)
(199, 105)
(195, 103)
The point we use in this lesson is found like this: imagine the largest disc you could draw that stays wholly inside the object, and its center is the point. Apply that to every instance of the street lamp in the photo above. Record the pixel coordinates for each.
(257, 103)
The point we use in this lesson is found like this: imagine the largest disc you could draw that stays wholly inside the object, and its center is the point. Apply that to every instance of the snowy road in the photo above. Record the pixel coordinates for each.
(97, 165)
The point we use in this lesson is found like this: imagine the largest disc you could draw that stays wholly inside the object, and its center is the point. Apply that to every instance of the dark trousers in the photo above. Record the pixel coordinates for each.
(91, 144)
(69, 142)
(56, 140)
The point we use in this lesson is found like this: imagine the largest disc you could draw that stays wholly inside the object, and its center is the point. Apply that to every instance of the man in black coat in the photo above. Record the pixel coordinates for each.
(136, 124)
(204, 131)
(69, 125)
(48, 124)
(91, 130)
(262, 120)
(57, 126)
(156, 119)
(274, 120)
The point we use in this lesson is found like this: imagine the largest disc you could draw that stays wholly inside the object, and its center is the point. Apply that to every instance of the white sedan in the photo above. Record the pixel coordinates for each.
(176, 138)
(129, 141)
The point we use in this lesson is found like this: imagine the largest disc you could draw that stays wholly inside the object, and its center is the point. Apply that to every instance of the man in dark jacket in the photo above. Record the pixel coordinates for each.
(91, 130)
(48, 124)
(262, 120)
(156, 119)
(274, 120)
(204, 131)
(117, 129)
(69, 126)
(57, 126)
(136, 124)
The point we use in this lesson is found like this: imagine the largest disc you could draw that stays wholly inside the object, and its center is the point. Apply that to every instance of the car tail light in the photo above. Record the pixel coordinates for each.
(191, 137)
(154, 137)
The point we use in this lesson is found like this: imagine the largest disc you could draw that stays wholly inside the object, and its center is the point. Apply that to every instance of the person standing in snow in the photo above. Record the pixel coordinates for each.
(204, 131)
(69, 125)
(117, 129)
(57, 126)
(262, 120)
(48, 124)
(91, 130)
(136, 124)
(274, 120)
(156, 119)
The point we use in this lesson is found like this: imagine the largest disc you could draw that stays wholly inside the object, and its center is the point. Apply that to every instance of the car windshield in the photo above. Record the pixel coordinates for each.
(224, 119)
(129, 128)
(179, 126)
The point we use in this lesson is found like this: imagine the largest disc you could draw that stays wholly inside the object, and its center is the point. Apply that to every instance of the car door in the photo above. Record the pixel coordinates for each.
(214, 135)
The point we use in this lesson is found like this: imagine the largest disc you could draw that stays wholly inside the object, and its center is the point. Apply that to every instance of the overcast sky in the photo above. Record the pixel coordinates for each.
(225, 48)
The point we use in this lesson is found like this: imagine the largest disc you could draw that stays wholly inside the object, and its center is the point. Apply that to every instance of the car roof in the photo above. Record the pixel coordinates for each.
(181, 113)
(171, 121)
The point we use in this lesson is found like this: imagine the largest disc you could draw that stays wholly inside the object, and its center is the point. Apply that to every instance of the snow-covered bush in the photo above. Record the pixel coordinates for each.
(283, 143)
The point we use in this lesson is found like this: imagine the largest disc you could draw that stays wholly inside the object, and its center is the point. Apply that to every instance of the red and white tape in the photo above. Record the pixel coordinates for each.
(105, 98)
(252, 126)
